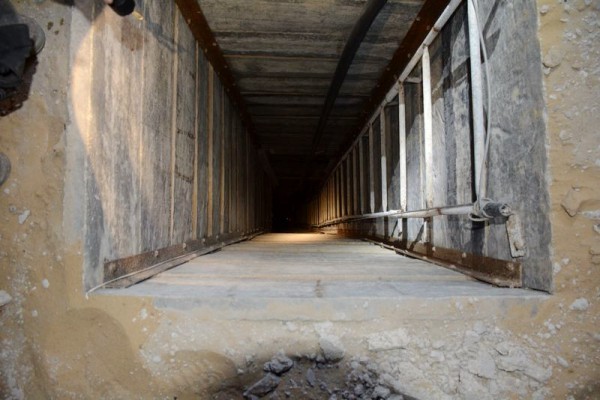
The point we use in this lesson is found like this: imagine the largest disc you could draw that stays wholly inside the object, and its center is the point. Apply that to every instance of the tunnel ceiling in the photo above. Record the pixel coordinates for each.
(283, 55)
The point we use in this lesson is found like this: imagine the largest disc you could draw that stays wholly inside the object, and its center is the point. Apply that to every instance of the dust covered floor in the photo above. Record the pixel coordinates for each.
(307, 267)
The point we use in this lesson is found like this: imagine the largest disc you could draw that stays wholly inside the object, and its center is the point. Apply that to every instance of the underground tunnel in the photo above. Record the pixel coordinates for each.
(341, 199)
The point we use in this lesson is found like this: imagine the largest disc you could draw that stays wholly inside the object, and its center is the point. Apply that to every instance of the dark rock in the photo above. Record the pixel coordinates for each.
(263, 387)
(310, 377)
(359, 389)
(279, 365)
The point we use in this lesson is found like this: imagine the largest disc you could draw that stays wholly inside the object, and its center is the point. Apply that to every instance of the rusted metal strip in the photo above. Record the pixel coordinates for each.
(425, 20)
(128, 271)
(194, 17)
(491, 270)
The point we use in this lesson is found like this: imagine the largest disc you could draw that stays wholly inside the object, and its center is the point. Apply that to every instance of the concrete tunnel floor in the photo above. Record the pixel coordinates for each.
(310, 268)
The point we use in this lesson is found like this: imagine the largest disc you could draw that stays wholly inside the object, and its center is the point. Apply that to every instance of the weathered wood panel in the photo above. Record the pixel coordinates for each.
(216, 152)
(184, 136)
(414, 159)
(112, 173)
(157, 119)
(164, 156)
(517, 145)
(202, 134)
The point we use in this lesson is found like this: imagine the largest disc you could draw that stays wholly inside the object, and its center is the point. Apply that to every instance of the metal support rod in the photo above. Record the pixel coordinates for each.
(476, 94)
(465, 209)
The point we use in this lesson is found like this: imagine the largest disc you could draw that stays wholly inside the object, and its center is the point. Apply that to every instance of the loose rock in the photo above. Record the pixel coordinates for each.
(310, 377)
(263, 387)
(381, 392)
(279, 365)
(332, 352)
(580, 304)
(23, 216)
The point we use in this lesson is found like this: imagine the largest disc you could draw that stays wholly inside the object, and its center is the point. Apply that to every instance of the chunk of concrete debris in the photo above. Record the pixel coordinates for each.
(483, 366)
(571, 202)
(396, 397)
(390, 340)
(581, 201)
(279, 365)
(553, 58)
(332, 350)
(5, 298)
(263, 387)
(381, 393)
(517, 360)
(23, 216)
(581, 304)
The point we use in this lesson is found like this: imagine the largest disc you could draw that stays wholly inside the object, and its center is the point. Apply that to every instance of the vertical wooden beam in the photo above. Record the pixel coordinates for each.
(361, 177)
(196, 140)
(428, 140)
(211, 149)
(174, 126)
(371, 170)
(402, 138)
(222, 176)
(355, 182)
(349, 188)
(383, 133)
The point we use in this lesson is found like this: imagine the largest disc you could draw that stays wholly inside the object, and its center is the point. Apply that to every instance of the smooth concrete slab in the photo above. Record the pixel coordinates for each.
(322, 273)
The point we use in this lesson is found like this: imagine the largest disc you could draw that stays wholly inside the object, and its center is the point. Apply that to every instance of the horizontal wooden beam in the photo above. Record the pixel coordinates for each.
(423, 23)
(194, 17)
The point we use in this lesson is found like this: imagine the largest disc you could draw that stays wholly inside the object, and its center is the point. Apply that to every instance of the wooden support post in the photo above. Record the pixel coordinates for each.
(338, 191)
(402, 138)
(349, 191)
(383, 133)
(361, 175)
(211, 148)
(355, 182)
(428, 139)
(371, 171)
(197, 94)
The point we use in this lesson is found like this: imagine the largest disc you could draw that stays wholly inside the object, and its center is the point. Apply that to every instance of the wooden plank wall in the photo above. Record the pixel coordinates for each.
(517, 155)
(168, 159)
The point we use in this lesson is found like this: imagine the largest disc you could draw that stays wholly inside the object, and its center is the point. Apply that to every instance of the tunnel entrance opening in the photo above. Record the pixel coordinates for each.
(443, 160)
